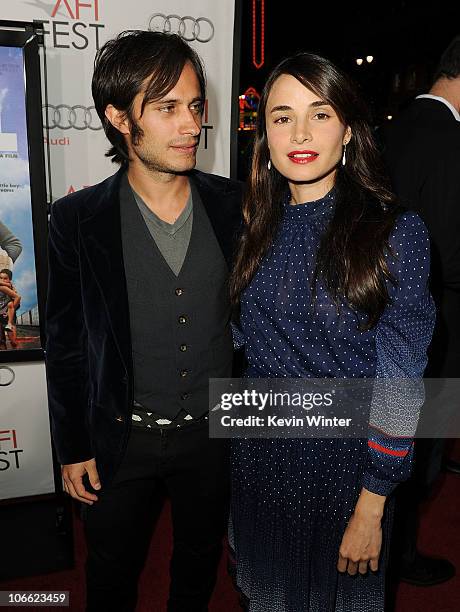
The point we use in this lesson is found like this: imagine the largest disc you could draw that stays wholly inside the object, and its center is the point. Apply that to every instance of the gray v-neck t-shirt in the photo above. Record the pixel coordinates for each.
(172, 239)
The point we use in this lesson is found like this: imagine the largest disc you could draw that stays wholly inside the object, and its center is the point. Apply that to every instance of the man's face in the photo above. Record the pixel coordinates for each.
(171, 127)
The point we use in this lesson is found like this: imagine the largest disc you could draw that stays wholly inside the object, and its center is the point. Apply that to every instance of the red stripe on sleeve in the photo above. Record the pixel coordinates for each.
(388, 451)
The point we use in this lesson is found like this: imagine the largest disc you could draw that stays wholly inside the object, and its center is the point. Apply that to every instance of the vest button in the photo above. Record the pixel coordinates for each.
(179, 291)
(182, 319)
(183, 348)
(183, 373)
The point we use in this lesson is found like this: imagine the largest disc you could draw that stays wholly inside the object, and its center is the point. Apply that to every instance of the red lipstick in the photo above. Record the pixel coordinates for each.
(303, 157)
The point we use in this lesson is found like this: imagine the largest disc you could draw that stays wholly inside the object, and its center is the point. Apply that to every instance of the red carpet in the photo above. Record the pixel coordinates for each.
(440, 536)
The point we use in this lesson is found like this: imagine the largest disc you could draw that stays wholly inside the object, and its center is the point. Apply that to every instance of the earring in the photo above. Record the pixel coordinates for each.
(344, 156)
(269, 165)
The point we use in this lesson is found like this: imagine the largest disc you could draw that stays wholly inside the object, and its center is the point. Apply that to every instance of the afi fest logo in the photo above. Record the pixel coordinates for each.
(9, 451)
(73, 24)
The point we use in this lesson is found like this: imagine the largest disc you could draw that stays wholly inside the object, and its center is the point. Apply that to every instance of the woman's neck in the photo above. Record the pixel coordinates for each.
(309, 192)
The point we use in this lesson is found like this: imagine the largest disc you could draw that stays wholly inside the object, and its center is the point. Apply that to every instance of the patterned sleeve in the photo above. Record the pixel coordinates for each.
(403, 335)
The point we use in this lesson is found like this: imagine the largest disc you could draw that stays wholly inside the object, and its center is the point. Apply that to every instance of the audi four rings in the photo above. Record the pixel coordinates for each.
(189, 28)
(7, 376)
(65, 117)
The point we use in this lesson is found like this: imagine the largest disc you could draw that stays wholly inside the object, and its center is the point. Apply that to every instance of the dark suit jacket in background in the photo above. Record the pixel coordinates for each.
(422, 151)
(88, 352)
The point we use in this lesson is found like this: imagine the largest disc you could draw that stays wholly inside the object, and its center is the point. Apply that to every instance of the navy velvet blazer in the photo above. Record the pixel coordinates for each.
(88, 348)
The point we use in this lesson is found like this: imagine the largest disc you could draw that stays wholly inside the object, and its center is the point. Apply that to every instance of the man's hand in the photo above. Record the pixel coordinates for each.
(73, 473)
(362, 540)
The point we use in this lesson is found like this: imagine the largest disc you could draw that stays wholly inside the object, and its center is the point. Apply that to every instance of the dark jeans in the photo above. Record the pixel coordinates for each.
(194, 471)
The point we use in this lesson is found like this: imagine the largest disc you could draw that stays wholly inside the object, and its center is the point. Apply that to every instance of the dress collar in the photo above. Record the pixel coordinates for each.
(309, 209)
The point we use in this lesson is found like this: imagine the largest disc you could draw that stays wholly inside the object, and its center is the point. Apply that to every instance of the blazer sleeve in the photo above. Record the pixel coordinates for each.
(66, 339)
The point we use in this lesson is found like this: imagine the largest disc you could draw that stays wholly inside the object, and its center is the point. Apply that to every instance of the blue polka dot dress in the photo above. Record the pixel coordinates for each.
(292, 498)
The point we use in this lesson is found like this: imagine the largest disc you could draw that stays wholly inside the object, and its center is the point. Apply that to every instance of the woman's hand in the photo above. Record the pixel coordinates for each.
(362, 540)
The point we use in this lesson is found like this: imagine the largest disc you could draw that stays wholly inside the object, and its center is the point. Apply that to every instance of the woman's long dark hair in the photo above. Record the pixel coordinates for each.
(351, 256)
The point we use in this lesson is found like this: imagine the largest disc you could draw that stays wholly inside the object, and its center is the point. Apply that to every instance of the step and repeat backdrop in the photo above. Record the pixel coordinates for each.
(75, 30)
(26, 465)
(73, 135)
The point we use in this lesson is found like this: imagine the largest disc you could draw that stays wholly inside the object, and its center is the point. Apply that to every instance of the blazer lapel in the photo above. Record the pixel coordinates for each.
(100, 235)
(223, 207)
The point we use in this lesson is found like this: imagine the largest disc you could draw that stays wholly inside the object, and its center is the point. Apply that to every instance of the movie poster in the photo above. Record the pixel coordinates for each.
(19, 319)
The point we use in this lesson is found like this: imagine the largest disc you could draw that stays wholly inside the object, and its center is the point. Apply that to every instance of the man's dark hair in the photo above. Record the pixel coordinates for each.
(449, 64)
(121, 68)
(7, 272)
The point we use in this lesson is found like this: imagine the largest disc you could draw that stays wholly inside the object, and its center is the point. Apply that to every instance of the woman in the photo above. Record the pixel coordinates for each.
(331, 277)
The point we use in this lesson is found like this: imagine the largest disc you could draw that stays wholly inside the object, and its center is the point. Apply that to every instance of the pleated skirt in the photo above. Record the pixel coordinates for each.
(291, 502)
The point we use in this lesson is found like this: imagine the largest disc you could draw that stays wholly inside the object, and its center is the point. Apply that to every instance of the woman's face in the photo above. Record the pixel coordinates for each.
(305, 135)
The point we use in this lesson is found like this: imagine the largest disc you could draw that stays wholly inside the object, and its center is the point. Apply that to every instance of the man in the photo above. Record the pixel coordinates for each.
(423, 156)
(138, 321)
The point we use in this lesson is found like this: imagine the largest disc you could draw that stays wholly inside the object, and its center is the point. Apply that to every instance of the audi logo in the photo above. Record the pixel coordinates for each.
(7, 376)
(188, 28)
(65, 117)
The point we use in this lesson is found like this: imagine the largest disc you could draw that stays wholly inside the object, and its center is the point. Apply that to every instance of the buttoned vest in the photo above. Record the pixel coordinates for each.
(179, 324)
